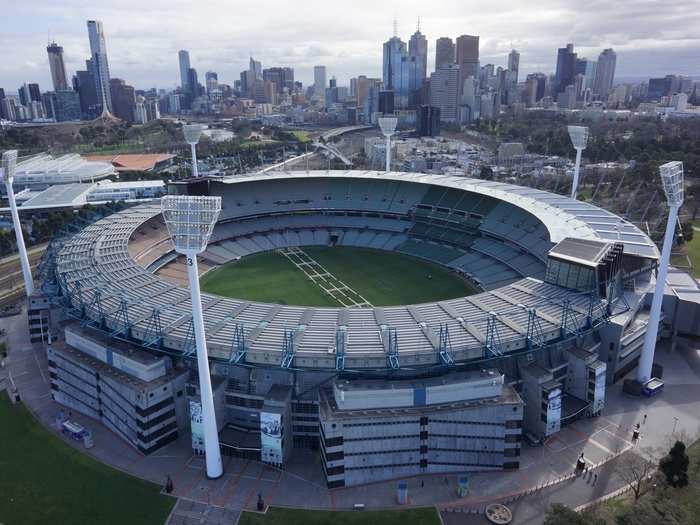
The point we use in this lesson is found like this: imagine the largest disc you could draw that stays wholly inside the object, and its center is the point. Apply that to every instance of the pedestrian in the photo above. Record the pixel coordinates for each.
(595, 479)
(644, 420)
(422, 484)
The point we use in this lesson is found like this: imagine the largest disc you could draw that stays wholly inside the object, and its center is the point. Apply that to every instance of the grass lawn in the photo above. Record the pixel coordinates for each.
(383, 278)
(692, 249)
(301, 136)
(662, 504)
(43, 480)
(279, 516)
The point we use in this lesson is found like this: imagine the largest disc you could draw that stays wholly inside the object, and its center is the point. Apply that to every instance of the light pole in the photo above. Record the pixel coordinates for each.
(190, 222)
(192, 133)
(579, 138)
(388, 127)
(672, 180)
(9, 163)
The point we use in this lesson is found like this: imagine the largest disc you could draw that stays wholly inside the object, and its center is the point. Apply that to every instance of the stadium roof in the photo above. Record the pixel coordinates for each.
(564, 217)
(47, 169)
(61, 196)
(134, 162)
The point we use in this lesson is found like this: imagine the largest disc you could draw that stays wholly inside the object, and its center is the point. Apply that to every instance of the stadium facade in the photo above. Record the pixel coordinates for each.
(379, 392)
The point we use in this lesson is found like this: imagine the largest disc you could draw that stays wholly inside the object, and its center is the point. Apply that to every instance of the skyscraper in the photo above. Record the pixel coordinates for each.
(514, 64)
(605, 73)
(395, 70)
(123, 99)
(444, 91)
(320, 82)
(417, 67)
(566, 69)
(58, 68)
(255, 66)
(212, 81)
(98, 51)
(444, 52)
(467, 57)
(184, 60)
(84, 84)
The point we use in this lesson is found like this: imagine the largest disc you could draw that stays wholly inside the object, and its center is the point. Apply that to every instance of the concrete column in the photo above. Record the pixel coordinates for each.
(195, 171)
(23, 258)
(388, 153)
(214, 465)
(646, 359)
(574, 187)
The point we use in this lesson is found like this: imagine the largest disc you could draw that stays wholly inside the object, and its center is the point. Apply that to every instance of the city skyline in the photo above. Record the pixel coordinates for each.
(144, 53)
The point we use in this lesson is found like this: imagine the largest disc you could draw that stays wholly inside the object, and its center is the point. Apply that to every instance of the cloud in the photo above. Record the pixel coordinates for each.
(651, 37)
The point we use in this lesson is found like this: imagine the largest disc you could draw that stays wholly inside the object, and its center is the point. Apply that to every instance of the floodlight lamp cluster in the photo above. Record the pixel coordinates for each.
(579, 136)
(672, 181)
(190, 220)
(192, 133)
(9, 163)
(388, 125)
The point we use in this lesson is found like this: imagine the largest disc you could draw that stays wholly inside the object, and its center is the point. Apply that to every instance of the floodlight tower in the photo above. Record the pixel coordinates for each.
(9, 163)
(388, 127)
(190, 221)
(579, 138)
(192, 133)
(672, 180)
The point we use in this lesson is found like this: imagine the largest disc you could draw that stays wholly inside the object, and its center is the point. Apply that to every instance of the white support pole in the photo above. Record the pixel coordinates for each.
(214, 465)
(23, 258)
(195, 171)
(646, 359)
(388, 153)
(577, 168)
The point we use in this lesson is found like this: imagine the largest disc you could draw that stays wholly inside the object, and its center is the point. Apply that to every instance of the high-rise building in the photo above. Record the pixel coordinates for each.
(58, 67)
(123, 99)
(283, 77)
(255, 66)
(193, 84)
(320, 82)
(417, 67)
(467, 55)
(84, 84)
(394, 70)
(34, 92)
(428, 121)
(212, 81)
(514, 64)
(605, 73)
(444, 52)
(98, 52)
(63, 105)
(184, 61)
(445, 93)
(566, 69)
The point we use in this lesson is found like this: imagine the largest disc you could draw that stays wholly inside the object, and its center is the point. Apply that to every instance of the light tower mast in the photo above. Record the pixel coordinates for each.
(579, 138)
(388, 127)
(672, 180)
(190, 221)
(192, 133)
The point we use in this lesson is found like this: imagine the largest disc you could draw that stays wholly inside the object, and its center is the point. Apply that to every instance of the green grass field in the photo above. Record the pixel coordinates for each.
(383, 278)
(44, 480)
(279, 516)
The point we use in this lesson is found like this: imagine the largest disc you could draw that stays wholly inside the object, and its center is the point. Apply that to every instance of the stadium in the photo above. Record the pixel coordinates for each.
(520, 306)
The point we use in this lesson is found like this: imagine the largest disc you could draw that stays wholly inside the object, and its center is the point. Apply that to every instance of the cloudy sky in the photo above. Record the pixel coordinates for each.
(651, 37)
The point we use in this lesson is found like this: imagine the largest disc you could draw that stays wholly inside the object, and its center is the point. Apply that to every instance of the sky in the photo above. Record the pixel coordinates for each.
(651, 38)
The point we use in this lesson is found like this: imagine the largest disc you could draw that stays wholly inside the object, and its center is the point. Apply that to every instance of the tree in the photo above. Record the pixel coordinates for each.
(486, 173)
(636, 470)
(674, 465)
(687, 229)
(559, 514)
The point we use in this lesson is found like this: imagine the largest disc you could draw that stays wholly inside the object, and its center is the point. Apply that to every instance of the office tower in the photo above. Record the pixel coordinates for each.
(23, 93)
(184, 60)
(212, 81)
(319, 82)
(84, 84)
(428, 121)
(98, 51)
(34, 92)
(514, 64)
(605, 73)
(444, 52)
(283, 77)
(386, 102)
(193, 84)
(123, 99)
(587, 68)
(255, 66)
(444, 91)
(9, 108)
(58, 67)
(566, 66)
(417, 67)
(467, 56)
(353, 87)
(470, 104)
(395, 70)
(63, 105)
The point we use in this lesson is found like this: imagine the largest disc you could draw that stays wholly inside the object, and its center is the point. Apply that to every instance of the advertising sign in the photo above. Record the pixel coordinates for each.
(553, 412)
(271, 437)
(196, 427)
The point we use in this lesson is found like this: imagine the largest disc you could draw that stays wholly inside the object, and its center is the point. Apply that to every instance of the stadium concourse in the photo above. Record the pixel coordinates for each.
(374, 393)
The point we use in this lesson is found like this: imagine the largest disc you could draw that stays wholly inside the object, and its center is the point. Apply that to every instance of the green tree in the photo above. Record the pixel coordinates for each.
(674, 465)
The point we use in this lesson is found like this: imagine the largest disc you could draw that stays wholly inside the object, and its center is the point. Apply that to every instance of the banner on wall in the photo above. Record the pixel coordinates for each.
(196, 426)
(553, 412)
(271, 437)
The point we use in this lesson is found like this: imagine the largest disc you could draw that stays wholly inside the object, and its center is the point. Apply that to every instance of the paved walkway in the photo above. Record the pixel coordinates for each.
(676, 411)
